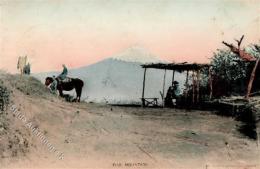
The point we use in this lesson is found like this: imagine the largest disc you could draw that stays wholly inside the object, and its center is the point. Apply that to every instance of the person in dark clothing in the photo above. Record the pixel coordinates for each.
(172, 94)
(169, 97)
(176, 89)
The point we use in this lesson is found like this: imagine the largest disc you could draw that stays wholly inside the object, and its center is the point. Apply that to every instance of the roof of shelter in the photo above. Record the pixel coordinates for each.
(176, 66)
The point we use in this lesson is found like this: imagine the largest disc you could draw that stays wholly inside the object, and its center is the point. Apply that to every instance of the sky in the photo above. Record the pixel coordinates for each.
(82, 32)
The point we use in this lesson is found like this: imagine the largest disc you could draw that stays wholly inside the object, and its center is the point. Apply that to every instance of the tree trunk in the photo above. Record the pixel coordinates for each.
(252, 77)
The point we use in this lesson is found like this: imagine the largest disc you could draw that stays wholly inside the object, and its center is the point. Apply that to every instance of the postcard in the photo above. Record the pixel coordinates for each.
(129, 84)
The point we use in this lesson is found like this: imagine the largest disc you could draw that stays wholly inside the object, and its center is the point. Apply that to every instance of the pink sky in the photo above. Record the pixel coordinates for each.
(79, 33)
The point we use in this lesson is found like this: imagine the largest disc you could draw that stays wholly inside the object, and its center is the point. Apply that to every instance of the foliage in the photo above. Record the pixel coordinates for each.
(4, 97)
(228, 66)
(230, 69)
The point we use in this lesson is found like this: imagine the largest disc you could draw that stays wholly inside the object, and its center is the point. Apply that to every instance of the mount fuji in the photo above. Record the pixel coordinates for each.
(119, 78)
(137, 54)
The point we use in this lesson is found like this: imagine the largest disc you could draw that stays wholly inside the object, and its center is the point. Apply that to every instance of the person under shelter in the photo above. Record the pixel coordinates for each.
(172, 94)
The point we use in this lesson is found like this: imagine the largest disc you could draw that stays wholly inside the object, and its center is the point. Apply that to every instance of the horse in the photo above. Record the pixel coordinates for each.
(74, 83)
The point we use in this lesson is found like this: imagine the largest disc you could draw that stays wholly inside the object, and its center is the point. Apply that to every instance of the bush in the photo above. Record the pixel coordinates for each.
(4, 97)
(231, 74)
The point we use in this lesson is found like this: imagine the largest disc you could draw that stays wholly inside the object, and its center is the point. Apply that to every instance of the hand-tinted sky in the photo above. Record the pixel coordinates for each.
(81, 32)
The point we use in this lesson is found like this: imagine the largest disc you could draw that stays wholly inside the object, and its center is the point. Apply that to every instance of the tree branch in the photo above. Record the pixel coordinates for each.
(228, 45)
(239, 41)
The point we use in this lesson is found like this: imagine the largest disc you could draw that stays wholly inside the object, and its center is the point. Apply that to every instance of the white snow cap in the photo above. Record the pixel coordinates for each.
(137, 54)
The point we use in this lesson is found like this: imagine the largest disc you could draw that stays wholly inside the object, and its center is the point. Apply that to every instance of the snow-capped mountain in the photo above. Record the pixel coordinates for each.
(137, 54)
(119, 79)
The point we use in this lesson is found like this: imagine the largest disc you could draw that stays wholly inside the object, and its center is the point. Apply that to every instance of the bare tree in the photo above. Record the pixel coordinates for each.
(241, 53)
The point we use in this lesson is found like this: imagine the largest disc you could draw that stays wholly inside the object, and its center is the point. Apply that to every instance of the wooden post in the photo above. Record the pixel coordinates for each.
(193, 86)
(186, 84)
(210, 83)
(173, 76)
(143, 101)
(252, 77)
(163, 99)
(198, 86)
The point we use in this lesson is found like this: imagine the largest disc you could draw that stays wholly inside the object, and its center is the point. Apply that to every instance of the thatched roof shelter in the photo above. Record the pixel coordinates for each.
(179, 67)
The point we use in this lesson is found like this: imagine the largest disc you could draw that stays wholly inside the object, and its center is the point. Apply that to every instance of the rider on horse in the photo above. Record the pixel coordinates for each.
(64, 73)
(63, 83)
(59, 79)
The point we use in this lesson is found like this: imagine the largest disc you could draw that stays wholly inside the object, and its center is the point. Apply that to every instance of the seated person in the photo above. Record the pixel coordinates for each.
(64, 73)
(176, 89)
(172, 94)
(169, 97)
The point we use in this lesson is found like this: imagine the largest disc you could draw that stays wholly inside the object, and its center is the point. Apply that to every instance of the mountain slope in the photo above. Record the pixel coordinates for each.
(116, 81)
(119, 79)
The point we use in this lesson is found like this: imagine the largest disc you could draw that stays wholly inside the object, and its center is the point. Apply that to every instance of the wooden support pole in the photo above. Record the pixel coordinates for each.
(198, 86)
(252, 77)
(210, 83)
(173, 76)
(163, 99)
(193, 86)
(186, 84)
(143, 101)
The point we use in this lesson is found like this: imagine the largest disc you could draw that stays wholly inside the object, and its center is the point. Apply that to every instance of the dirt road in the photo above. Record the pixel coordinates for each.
(101, 136)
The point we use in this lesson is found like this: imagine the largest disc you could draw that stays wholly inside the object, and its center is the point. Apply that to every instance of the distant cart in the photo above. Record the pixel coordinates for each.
(180, 67)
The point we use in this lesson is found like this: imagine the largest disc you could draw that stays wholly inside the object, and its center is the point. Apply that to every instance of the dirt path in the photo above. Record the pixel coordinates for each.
(98, 136)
